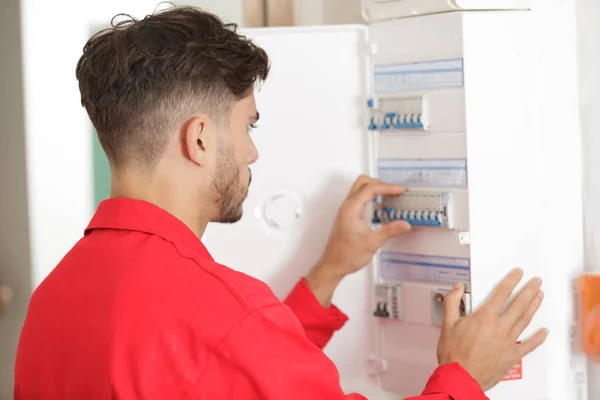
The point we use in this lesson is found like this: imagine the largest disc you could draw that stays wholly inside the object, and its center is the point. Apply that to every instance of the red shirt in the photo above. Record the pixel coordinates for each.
(138, 309)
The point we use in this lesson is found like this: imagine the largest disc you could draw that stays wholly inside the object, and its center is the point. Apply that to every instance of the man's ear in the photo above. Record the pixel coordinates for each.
(198, 140)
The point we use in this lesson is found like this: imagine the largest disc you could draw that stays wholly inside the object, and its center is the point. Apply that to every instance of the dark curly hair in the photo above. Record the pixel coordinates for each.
(140, 78)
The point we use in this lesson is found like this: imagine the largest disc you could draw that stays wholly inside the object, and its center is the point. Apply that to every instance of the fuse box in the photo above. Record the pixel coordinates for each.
(448, 105)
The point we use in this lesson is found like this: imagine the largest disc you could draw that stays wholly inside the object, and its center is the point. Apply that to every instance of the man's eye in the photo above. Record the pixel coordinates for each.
(251, 127)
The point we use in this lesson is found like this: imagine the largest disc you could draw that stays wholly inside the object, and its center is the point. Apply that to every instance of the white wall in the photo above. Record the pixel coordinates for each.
(308, 12)
(589, 76)
(343, 11)
(319, 12)
(589, 72)
(229, 10)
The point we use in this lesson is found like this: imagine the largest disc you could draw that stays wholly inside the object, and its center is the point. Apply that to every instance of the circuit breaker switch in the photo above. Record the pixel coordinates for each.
(389, 301)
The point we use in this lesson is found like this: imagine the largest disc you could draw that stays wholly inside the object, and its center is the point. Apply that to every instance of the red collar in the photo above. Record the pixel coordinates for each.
(142, 216)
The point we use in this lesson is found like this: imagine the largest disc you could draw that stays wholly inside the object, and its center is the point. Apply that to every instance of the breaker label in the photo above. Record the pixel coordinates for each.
(418, 76)
(423, 172)
(515, 373)
(424, 268)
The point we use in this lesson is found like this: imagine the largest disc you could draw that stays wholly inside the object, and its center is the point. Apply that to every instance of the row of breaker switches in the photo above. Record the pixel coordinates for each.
(399, 113)
(418, 208)
(415, 218)
(393, 120)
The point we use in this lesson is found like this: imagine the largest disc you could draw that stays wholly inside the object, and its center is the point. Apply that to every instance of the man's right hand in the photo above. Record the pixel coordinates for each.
(485, 342)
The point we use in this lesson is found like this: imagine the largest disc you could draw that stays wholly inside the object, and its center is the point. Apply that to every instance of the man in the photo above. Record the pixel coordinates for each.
(138, 309)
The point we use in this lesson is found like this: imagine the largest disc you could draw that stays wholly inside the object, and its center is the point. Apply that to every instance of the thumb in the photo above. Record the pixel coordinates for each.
(391, 230)
(452, 305)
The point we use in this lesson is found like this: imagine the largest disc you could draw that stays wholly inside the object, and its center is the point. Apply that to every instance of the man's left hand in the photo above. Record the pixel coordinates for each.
(352, 243)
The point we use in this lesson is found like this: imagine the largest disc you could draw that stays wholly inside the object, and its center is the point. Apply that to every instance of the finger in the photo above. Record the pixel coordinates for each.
(360, 182)
(391, 230)
(525, 319)
(369, 191)
(530, 345)
(452, 305)
(363, 181)
(503, 292)
(522, 302)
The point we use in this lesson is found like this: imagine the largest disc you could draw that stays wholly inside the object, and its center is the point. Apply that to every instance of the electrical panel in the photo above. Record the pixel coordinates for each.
(449, 105)
(430, 159)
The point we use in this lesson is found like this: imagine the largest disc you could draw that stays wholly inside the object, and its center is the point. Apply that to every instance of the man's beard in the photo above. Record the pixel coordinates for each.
(230, 193)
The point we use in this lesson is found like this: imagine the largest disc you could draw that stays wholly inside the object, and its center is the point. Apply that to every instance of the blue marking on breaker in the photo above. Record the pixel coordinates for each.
(372, 124)
(391, 215)
(387, 120)
(420, 222)
(390, 212)
(405, 121)
(393, 120)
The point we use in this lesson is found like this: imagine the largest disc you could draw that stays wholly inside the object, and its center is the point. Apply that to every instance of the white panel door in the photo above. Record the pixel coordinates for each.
(313, 144)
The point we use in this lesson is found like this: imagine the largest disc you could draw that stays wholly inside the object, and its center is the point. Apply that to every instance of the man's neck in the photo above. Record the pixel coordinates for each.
(162, 194)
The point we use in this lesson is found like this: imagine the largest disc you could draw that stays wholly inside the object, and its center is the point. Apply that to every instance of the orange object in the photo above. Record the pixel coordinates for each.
(589, 304)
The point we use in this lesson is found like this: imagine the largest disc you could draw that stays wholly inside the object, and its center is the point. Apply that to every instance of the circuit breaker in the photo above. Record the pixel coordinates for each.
(475, 114)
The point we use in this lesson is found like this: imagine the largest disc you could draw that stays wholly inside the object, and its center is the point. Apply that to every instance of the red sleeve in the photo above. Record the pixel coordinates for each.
(268, 357)
(319, 323)
(451, 382)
